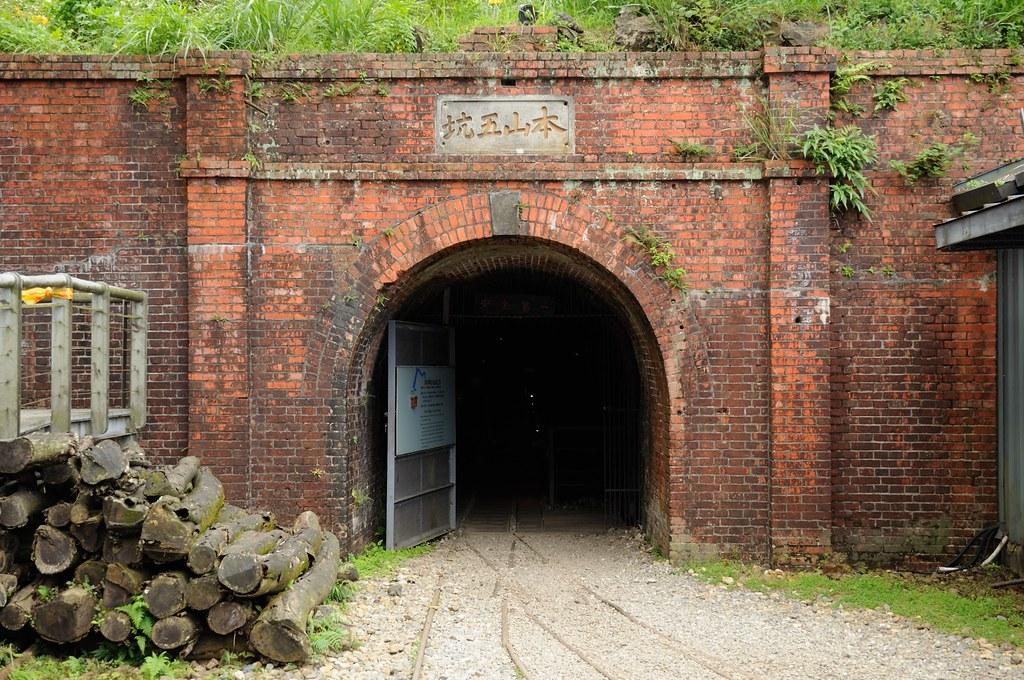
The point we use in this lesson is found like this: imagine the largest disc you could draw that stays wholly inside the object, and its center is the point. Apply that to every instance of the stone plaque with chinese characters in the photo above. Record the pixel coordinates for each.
(505, 125)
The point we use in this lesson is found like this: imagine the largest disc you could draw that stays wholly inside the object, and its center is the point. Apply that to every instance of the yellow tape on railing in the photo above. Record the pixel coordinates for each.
(32, 296)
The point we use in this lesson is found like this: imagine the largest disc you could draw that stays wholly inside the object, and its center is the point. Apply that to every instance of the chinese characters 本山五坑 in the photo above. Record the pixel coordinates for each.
(489, 124)
(526, 124)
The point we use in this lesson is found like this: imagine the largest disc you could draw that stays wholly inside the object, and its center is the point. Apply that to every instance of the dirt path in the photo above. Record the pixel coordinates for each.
(548, 606)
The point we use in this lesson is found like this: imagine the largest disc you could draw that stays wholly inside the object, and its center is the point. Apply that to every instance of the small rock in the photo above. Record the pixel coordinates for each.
(323, 611)
(238, 675)
(212, 663)
(635, 32)
(802, 33)
(394, 589)
(569, 30)
(728, 580)
(348, 572)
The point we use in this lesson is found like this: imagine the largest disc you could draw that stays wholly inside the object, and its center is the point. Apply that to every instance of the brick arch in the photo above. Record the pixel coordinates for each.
(458, 239)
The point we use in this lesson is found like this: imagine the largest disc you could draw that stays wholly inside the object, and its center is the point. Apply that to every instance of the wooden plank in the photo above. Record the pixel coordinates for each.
(100, 347)
(10, 360)
(140, 330)
(60, 365)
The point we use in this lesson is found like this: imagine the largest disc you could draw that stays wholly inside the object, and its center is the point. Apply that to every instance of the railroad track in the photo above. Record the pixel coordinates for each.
(515, 600)
(713, 664)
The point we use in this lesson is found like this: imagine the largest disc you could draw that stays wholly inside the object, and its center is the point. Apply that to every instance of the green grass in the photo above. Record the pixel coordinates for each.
(978, 612)
(71, 668)
(272, 27)
(330, 633)
(374, 561)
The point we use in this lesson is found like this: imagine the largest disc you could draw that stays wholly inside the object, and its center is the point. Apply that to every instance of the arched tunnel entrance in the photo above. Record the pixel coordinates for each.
(552, 387)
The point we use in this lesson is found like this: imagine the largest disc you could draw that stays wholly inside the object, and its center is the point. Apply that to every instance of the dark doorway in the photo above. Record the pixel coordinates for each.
(548, 402)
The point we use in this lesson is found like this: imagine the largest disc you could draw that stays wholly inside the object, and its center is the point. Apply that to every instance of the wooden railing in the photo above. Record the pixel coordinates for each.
(66, 290)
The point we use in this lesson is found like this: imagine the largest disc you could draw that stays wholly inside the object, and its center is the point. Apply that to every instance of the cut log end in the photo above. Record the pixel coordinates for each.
(227, 617)
(280, 642)
(35, 449)
(166, 594)
(203, 592)
(65, 618)
(53, 551)
(116, 626)
(14, 455)
(104, 462)
(175, 632)
(240, 573)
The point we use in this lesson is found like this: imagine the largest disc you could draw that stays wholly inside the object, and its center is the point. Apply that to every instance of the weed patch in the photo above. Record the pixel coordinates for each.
(374, 561)
(946, 605)
(688, 150)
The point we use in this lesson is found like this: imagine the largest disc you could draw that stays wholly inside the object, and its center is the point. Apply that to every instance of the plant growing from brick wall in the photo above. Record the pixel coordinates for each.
(933, 161)
(661, 255)
(688, 150)
(997, 82)
(891, 93)
(843, 81)
(219, 85)
(845, 153)
(773, 134)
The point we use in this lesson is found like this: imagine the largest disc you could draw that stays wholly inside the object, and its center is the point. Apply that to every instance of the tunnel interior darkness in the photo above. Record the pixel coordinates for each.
(548, 401)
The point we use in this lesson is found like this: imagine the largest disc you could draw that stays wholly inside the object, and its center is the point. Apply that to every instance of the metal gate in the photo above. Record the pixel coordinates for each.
(620, 425)
(421, 433)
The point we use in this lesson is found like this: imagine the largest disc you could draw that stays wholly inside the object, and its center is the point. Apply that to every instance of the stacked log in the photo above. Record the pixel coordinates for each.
(90, 532)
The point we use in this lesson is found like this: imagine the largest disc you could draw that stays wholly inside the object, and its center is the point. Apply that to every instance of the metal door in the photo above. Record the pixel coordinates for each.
(421, 433)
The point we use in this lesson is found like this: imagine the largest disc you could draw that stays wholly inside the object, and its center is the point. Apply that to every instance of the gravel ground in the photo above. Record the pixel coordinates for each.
(580, 607)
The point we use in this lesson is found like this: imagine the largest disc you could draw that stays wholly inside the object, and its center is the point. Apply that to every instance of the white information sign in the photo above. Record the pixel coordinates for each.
(425, 417)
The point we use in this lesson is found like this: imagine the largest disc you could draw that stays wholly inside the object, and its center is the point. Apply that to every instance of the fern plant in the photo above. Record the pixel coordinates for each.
(844, 153)
(843, 81)
(933, 161)
(891, 93)
(142, 622)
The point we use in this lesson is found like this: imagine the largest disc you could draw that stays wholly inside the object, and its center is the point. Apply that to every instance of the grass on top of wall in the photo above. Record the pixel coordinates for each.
(273, 27)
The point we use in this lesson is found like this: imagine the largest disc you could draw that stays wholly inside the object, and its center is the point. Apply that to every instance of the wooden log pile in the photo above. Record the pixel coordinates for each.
(89, 530)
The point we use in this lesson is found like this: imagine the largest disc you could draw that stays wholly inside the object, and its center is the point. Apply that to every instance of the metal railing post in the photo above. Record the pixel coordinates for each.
(140, 330)
(10, 360)
(60, 363)
(100, 346)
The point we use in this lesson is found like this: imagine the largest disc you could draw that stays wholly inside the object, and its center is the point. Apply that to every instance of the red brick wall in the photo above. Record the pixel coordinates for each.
(278, 216)
(89, 186)
(913, 330)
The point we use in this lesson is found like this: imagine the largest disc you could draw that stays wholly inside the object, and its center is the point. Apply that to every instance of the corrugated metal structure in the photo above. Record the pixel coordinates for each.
(992, 218)
(1010, 339)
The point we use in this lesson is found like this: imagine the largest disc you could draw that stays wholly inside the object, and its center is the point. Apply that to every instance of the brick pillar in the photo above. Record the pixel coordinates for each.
(801, 501)
(218, 271)
(801, 485)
